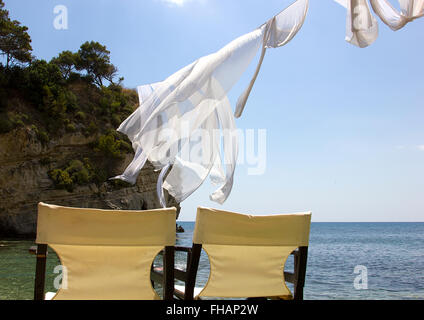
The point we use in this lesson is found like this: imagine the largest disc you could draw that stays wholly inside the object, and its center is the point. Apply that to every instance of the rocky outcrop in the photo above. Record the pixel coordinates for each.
(24, 180)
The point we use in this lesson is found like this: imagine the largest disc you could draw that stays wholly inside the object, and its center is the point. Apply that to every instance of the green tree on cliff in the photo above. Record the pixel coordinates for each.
(4, 17)
(66, 61)
(94, 58)
(4, 14)
(15, 42)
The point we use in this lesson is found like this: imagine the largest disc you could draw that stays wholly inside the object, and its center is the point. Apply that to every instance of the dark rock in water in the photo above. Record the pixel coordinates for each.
(180, 229)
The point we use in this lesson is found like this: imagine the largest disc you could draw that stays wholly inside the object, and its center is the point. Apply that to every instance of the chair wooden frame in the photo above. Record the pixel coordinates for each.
(40, 273)
(297, 277)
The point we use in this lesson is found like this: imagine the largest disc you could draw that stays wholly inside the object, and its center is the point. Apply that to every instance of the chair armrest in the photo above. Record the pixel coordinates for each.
(32, 250)
(179, 274)
(289, 277)
(157, 274)
(183, 249)
(180, 249)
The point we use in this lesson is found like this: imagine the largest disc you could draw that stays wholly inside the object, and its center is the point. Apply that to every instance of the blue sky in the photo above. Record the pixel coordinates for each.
(345, 134)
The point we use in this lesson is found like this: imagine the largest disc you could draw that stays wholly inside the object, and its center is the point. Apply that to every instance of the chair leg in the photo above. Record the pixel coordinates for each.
(300, 272)
(40, 272)
(168, 273)
(192, 271)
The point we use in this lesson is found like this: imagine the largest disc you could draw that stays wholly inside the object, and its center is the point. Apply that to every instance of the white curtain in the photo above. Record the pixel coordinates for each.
(410, 10)
(180, 121)
(185, 123)
(361, 25)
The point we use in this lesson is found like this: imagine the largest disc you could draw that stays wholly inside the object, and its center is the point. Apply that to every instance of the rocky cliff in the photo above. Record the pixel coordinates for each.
(26, 164)
(58, 138)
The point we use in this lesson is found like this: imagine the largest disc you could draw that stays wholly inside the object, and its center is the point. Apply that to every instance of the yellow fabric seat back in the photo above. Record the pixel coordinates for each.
(106, 254)
(247, 253)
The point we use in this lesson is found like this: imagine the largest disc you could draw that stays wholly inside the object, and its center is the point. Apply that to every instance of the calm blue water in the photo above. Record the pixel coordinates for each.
(393, 254)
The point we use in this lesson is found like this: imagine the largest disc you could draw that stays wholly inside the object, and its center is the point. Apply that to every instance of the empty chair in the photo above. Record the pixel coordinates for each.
(105, 254)
(247, 255)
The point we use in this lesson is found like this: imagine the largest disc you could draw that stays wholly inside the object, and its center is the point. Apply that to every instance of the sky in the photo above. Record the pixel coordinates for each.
(344, 125)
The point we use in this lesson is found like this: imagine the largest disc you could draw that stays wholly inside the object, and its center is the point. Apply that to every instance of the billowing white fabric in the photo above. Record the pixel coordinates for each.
(176, 124)
(361, 25)
(282, 28)
(179, 120)
(410, 10)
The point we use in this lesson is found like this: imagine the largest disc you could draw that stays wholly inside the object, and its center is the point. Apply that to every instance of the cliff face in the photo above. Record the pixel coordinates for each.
(25, 180)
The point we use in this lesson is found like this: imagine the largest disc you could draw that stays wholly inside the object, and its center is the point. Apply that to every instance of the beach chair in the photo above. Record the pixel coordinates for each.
(105, 254)
(247, 255)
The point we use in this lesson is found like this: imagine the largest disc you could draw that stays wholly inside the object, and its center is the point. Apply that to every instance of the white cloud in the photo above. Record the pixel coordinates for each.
(178, 3)
(410, 147)
(181, 3)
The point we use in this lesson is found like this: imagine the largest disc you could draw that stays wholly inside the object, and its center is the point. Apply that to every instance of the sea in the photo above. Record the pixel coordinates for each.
(346, 261)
